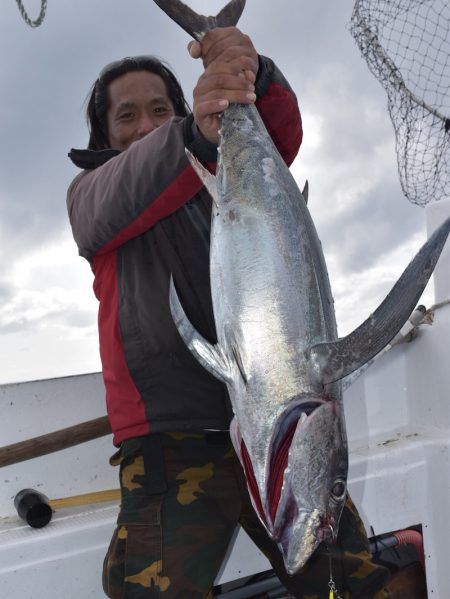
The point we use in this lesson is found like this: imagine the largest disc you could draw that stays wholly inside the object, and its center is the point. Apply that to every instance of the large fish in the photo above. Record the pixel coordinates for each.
(277, 349)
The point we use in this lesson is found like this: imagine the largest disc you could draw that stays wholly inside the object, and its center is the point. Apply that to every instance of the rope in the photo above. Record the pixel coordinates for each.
(27, 19)
(407, 334)
(428, 316)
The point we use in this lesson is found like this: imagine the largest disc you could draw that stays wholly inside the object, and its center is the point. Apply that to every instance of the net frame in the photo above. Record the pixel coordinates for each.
(406, 44)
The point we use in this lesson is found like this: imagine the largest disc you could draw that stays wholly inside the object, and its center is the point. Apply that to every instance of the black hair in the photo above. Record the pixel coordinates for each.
(98, 97)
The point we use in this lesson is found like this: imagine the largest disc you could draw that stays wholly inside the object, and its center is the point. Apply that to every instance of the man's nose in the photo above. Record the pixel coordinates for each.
(147, 123)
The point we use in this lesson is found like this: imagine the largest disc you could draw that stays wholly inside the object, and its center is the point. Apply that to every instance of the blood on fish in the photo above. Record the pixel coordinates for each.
(251, 482)
(278, 467)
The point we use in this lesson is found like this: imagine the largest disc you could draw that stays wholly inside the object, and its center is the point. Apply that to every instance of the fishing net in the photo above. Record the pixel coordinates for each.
(38, 21)
(406, 44)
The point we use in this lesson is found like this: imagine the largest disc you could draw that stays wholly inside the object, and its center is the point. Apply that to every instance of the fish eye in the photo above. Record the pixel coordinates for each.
(339, 489)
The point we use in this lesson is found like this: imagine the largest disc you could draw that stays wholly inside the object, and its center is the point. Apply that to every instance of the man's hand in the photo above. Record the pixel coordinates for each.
(231, 65)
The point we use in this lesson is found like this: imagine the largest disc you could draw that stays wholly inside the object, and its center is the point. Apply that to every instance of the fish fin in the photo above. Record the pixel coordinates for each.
(238, 360)
(305, 192)
(198, 25)
(207, 178)
(210, 356)
(337, 359)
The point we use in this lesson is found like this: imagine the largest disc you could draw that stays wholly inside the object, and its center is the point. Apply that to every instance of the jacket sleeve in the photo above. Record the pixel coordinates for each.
(278, 107)
(128, 194)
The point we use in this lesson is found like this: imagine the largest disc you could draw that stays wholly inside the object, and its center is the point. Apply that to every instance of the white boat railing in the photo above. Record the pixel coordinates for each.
(398, 422)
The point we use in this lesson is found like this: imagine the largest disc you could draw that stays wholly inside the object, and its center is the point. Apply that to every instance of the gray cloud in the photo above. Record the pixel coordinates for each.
(6, 291)
(46, 73)
(65, 318)
(375, 226)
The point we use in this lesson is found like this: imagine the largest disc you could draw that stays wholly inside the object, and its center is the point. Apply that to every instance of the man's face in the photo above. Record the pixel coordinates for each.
(138, 104)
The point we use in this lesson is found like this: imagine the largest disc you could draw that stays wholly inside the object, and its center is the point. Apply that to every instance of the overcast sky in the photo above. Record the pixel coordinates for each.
(368, 229)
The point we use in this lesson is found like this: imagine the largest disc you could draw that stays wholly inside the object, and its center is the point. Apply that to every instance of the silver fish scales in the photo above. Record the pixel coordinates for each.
(277, 349)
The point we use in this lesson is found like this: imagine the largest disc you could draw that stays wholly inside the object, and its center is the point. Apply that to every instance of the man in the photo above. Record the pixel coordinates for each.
(139, 215)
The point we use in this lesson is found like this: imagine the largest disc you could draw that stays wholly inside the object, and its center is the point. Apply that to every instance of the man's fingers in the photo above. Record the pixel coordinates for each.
(231, 53)
(195, 49)
(216, 41)
(217, 101)
(226, 44)
(211, 107)
(235, 64)
(223, 82)
(250, 76)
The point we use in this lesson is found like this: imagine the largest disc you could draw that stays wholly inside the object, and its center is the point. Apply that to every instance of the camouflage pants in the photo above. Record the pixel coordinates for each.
(182, 498)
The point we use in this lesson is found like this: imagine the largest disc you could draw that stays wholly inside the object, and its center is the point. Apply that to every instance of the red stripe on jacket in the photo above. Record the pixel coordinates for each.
(124, 403)
(180, 191)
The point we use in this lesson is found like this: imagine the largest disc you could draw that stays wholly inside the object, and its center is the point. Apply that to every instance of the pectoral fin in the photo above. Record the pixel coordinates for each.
(339, 358)
(208, 180)
(210, 356)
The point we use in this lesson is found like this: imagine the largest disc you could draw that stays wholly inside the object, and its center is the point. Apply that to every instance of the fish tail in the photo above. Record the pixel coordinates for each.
(198, 25)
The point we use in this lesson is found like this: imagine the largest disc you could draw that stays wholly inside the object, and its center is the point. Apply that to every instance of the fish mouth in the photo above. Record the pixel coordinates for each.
(291, 420)
(299, 544)
(295, 416)
(311, 530)
(327, 531)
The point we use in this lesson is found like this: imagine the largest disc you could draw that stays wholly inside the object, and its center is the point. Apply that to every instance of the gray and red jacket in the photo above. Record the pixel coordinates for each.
(138, 218)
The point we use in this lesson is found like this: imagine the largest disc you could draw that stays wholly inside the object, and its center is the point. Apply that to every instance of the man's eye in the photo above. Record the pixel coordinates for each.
(126, 116)
(160, 109)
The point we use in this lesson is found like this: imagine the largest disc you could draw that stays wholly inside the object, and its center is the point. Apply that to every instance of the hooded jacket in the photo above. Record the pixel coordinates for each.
(139, 216)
